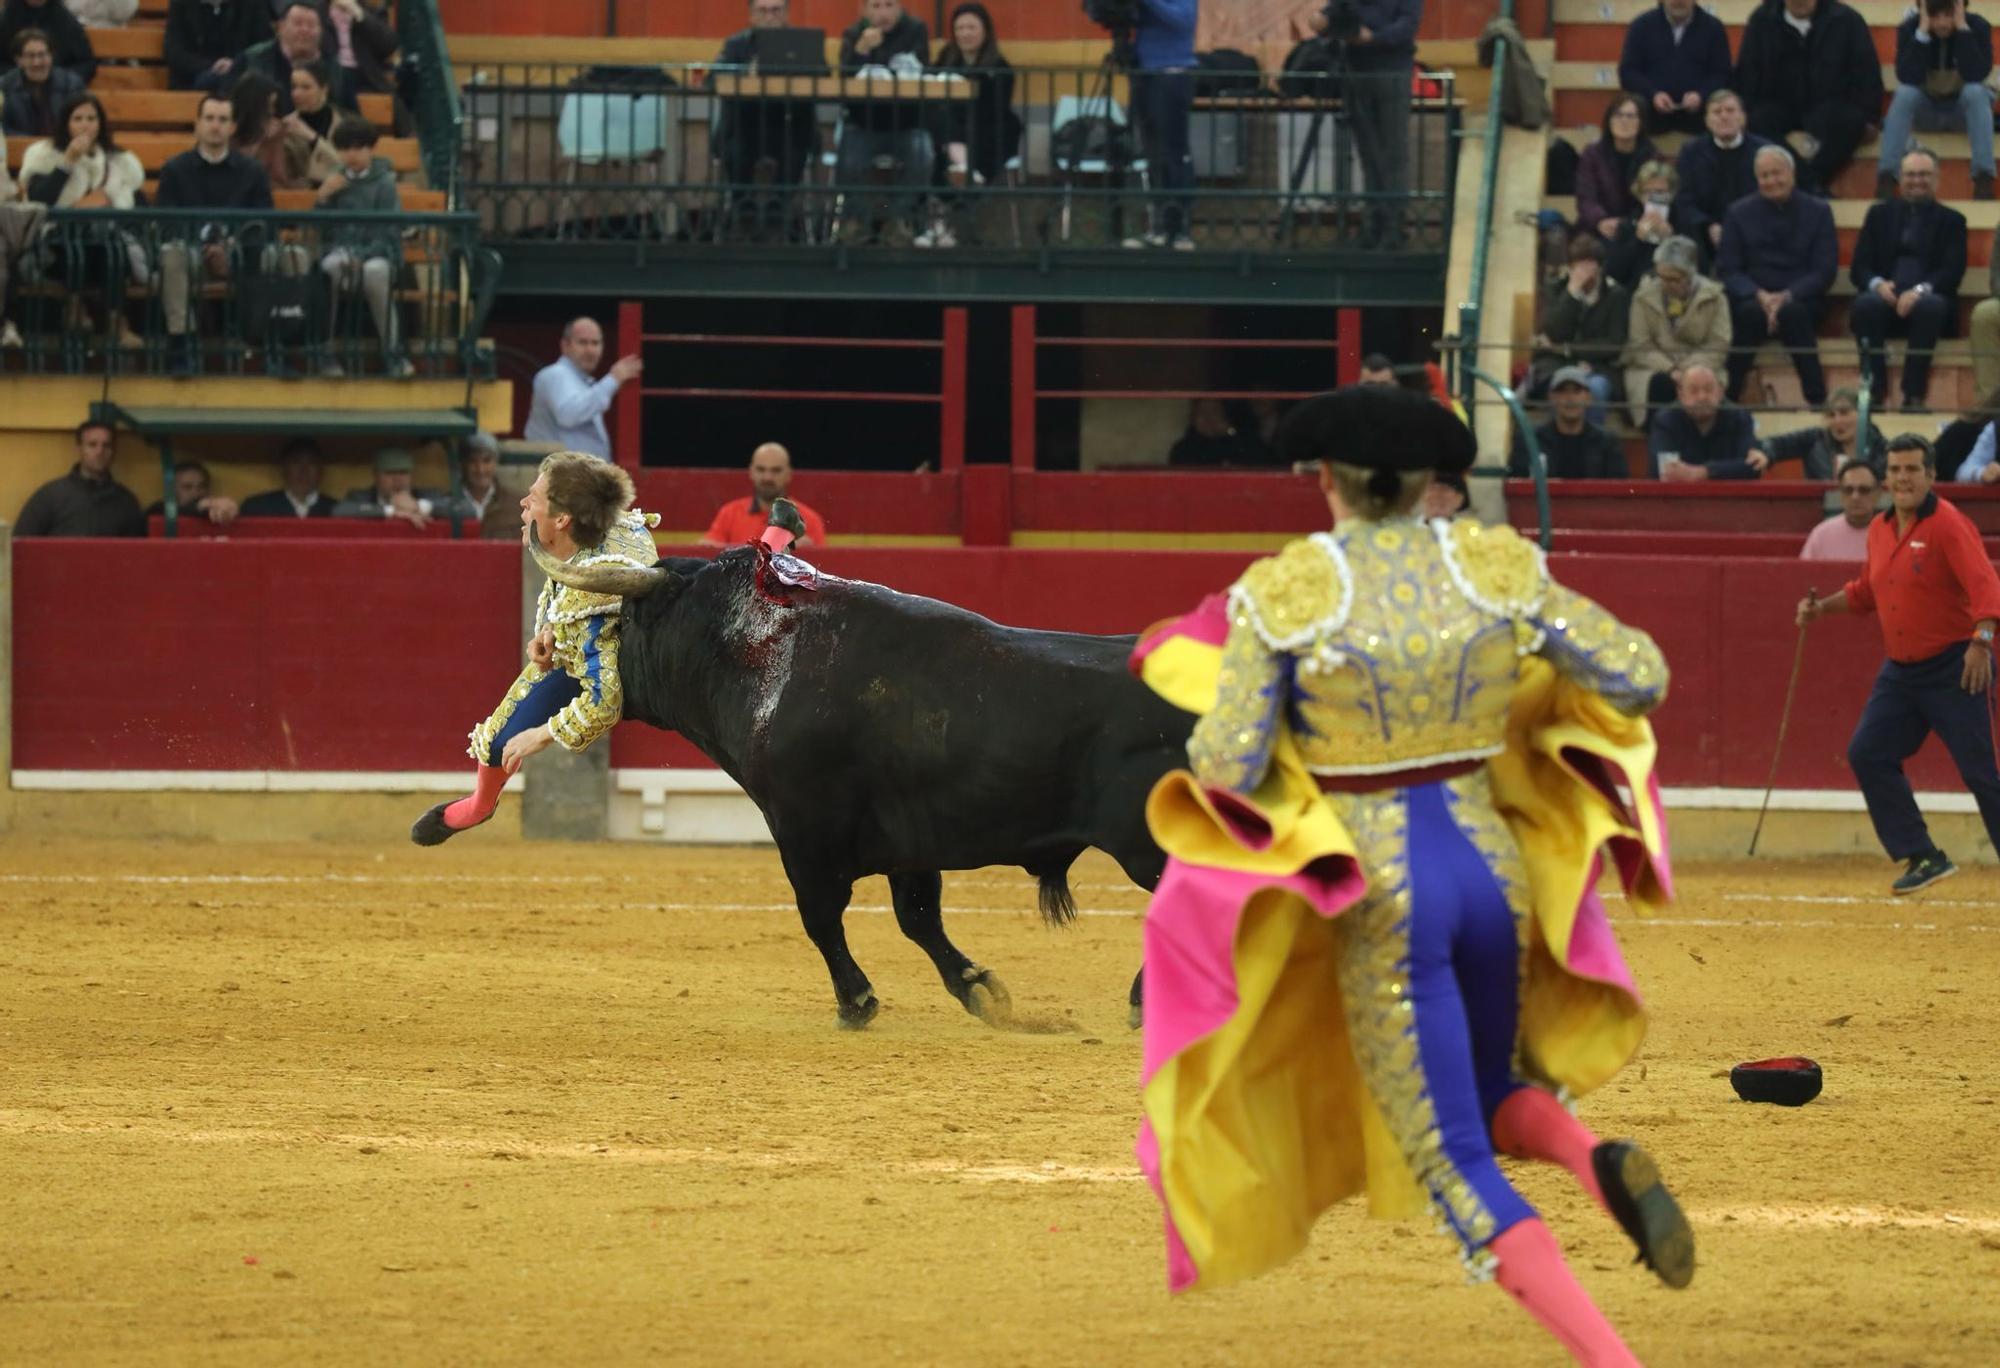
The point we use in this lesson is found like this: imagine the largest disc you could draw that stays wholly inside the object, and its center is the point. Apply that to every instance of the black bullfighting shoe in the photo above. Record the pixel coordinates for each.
(432, 829)
(1649, 1213)
(786, 526)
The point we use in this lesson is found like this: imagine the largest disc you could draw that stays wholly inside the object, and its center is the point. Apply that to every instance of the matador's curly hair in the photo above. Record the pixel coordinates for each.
(591, 491)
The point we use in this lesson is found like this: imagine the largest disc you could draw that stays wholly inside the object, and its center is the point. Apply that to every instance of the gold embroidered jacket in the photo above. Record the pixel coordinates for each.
(586, 631)
(1393, 645)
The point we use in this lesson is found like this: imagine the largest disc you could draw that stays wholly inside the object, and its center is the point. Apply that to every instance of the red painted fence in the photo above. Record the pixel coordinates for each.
(308, 655)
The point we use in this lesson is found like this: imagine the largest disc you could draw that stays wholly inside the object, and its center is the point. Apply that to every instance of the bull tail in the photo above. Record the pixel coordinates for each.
(1058, 905)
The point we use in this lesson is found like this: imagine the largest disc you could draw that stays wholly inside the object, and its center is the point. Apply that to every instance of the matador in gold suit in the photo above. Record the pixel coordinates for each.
(1377, 955)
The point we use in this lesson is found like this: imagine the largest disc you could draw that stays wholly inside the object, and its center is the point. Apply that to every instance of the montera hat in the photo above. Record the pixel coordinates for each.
(1377, 427)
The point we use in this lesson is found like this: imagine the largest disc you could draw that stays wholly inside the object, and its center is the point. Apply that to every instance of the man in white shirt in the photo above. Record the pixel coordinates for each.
(569, 404)
(1844, 537)
(301, 465)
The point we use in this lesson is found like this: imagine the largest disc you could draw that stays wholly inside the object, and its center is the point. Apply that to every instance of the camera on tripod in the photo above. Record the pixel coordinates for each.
(1343, 20)
(1121, 18)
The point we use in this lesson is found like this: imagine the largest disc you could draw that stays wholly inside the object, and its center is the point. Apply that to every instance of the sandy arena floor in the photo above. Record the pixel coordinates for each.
(281, 1104)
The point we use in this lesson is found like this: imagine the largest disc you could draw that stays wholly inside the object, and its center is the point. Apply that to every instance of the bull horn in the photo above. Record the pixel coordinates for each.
(622, 581)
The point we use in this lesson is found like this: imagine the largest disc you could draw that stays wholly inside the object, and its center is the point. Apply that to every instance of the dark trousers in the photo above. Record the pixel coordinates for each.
(764, 153)
(1798, 329)
(1163, 105)
(1910, 702)
(1378, 102)
(1689, 121)
(1875, 320)
(1836, 124)
(907, 152)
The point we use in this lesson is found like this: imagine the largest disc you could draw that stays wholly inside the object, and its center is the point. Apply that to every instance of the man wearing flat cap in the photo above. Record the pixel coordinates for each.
(1339, 939)
(392, 496)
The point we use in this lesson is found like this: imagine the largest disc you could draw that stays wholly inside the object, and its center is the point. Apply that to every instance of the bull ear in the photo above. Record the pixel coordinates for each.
(619, 581)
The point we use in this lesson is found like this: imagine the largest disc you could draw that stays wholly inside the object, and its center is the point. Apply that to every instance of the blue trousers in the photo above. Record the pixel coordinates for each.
(1910, 702)
(545, 697)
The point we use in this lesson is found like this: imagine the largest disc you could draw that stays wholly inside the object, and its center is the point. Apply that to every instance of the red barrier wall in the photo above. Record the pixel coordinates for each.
(330, 656)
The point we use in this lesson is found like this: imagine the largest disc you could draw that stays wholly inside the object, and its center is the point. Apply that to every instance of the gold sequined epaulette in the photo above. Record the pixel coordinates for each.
(1296, 595)
(1499, 570)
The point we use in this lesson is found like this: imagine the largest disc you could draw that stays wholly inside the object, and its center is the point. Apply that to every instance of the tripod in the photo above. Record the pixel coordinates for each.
(1096, 105)
(1333, 72)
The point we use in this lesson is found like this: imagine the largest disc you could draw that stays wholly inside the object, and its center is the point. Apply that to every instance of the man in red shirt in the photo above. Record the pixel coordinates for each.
(1938, 599)
(743, 520)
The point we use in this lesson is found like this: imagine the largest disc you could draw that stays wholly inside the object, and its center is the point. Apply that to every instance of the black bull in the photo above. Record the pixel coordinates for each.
(883, 733)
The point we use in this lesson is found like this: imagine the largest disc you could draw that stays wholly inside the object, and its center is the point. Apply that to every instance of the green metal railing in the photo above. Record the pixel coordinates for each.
(1538, 465)
(1470, 308)
(433, 95)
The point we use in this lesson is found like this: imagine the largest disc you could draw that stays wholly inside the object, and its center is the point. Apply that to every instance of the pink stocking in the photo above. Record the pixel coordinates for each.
(470, 811)
(1531, 1124)
(1533, 1273)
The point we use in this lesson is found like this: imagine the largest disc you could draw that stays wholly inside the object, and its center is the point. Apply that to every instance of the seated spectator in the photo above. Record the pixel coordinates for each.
(1979, 465)
(1810, 65)
(210, 175)
(1844, 536)
(301, 467)
(260, 132)
(762, 143)
(20, 228)
(1584, 327)
(301, 40)
(310, 154)
(1778, 258)
(1824, 451)
(366, 259)
(1680, 318)
(34, 92)
(890, 131)
(68, 44)
(1264, 414)
(1608, 167)
(976, 137)
(1702, 438)
(1446, 496)
(1209, 439)
(391, 496)
(1376, 369)
(204, 38)
(480, 500)
(82, 167)
(87, 502)
(1943, 57)
(1573, 447)
(1674, 58)
(103, 13)
(568, 405)
(743, 520)
(192, 498)
(1985, 329)
(1651, 222)
(1956, 439)
(360, 45)
(1907, 266)
(1716, 171)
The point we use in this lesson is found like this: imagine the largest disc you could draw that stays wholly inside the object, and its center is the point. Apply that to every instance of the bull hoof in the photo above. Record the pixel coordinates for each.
(858, 1013)
(430, 829)
(986, 997)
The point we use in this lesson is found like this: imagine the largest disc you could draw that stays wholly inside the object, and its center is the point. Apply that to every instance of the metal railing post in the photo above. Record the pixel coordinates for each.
(1538, 466)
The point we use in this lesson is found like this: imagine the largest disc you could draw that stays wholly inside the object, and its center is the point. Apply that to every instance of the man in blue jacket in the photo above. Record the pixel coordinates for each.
(1906, 270)
(1163, 99)
(1942, 61)
(1778, 258)
(1811, 65)
(1675, 57)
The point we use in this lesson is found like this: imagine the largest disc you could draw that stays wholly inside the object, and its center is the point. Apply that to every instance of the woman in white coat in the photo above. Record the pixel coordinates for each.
(82, 167)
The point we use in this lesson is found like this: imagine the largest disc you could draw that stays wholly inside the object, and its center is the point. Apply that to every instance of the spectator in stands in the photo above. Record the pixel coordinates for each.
(82, 167)
(260, 132)
(885, 130)
(1778, 259)
(302, 38)
(1702, 438)
(1906, 270)
(569, 405)
(360, 46)
(1163, 111)
(1376, 369)
(743, 520)
(1716, 171)
(1674, 58)
(1585, 323)
(103, 13)
(1446, 496)
(210, 175)
(1979, 464)
(1573, 447)
(1380, 60)
(1824, 451)
(1844, 536)
(767, 140)
(392, 496)
(1264, 413)
(363, 258)
(479, 488)
(979, 136)
(1943, 58)
(34, 91)
(1811, 65)
(204, 38)
(20, 229)
(87, 502)
(301, 467)
(1985, 329)
(68, 43)
(310, 153)
(192, 497)
(1608, 167)
(1680, 318)
(1651, 222)
(1956, 438)
(1210, 440)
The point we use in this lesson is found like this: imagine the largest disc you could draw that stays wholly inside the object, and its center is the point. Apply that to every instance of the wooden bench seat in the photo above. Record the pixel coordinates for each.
(162, 110)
